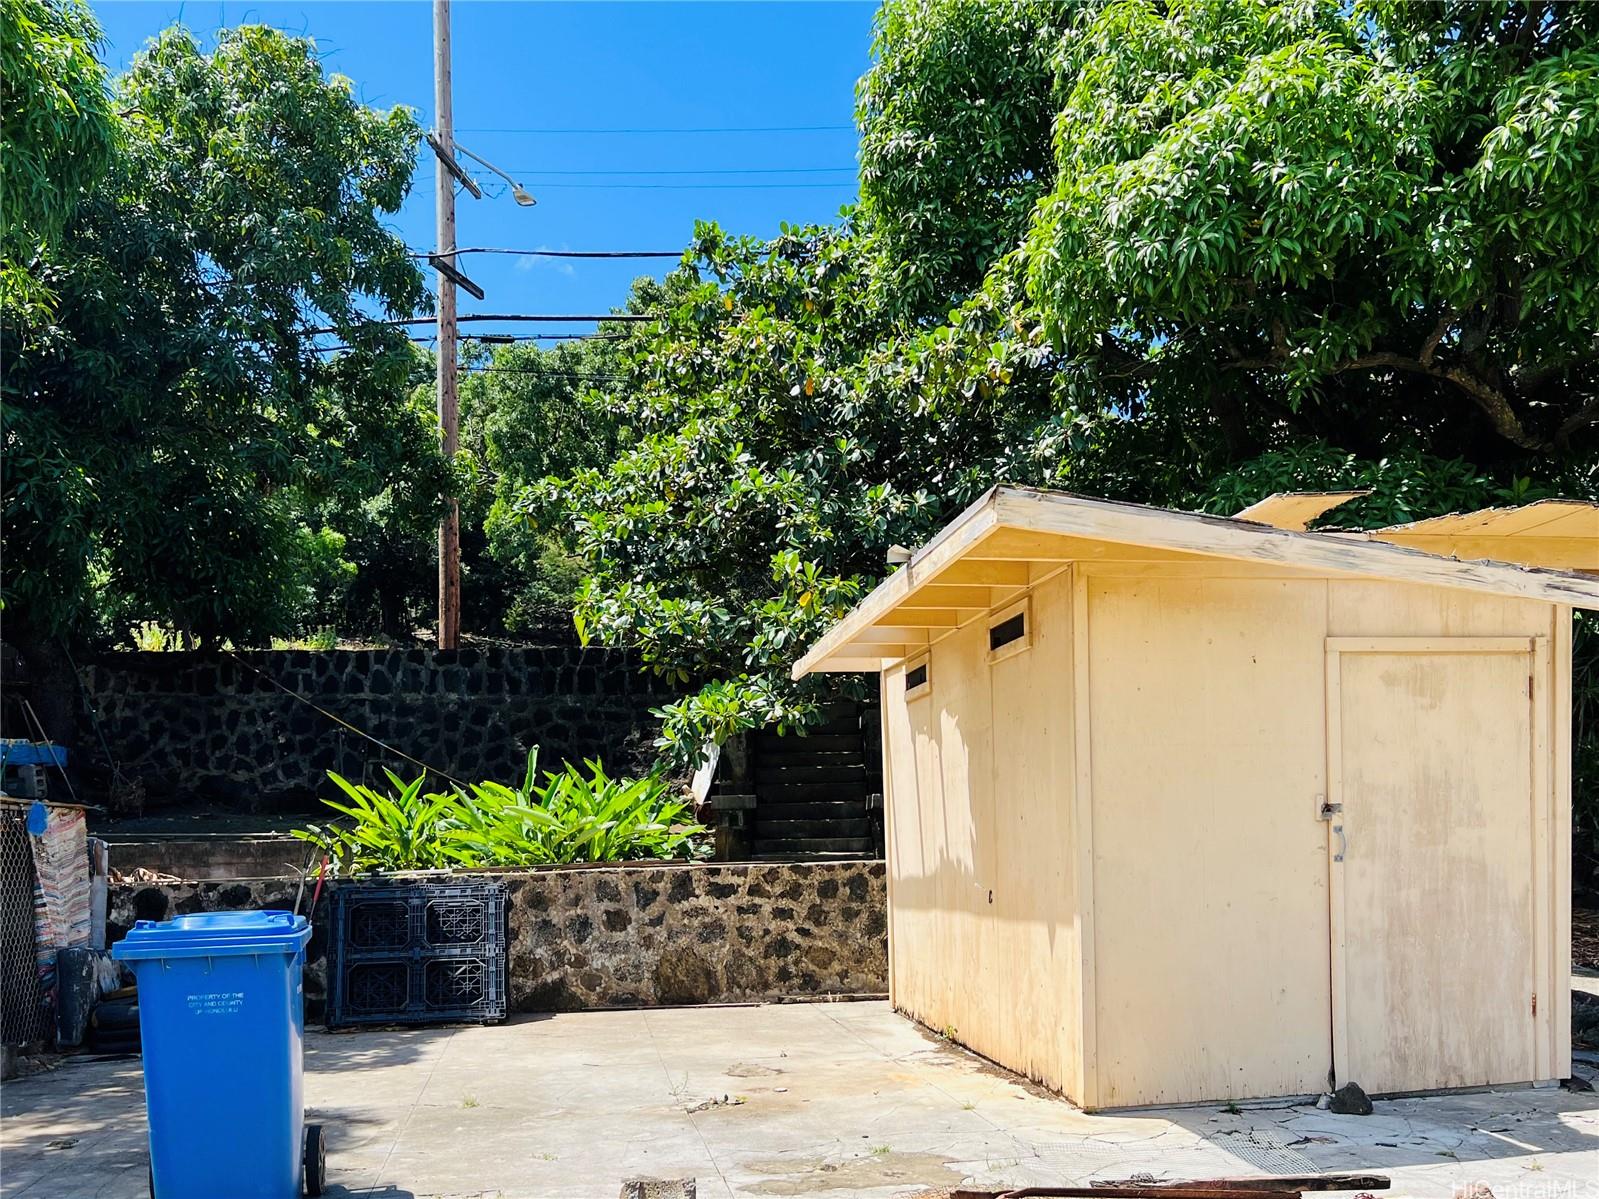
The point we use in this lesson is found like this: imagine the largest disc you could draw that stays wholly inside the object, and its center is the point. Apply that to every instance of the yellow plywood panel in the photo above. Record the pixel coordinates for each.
(918, 913)
(942, 828)
(1210, 908)
(1546, 518)
(1435, 961)
(1034, 909)
(1296, 509)
(1551, 552)
(1027, 545)
(1361, 608)
(962, 699)
(981, 884)
(988, 574)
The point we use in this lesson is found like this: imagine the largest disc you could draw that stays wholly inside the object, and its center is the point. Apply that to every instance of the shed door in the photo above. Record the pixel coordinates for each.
(1432, 758)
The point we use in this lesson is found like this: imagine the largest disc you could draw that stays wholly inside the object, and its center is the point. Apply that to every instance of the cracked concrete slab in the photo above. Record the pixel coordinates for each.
(839, 1100)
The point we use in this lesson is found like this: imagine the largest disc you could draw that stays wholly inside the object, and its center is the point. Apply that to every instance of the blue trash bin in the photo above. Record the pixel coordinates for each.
(222, 1022)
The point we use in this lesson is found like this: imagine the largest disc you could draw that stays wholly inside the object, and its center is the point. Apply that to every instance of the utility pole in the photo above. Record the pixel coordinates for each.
(449, 406)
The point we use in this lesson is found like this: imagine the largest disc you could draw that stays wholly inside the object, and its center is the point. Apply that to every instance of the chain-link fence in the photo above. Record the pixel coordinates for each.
(25, 1014)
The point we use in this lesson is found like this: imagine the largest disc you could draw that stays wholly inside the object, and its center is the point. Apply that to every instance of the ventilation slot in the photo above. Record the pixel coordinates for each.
(1007, 631)
(916, 677)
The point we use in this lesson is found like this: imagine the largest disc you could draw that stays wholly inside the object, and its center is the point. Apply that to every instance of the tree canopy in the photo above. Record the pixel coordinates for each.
(57, 129)
(167, 425)
(1185, 253)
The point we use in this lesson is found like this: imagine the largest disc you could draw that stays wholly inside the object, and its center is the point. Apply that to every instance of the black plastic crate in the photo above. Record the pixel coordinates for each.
(417, 953)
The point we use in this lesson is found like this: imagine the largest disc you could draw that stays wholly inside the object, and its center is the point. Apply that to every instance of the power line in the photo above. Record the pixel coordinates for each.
(498, 339)
(543, 186)
(491, 316)
(495, 338)
(517, 370)
(555, 253)
(665, 129)
(540, 172)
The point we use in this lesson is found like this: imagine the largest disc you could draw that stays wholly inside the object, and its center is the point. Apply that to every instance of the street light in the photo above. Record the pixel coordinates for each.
(518, 193)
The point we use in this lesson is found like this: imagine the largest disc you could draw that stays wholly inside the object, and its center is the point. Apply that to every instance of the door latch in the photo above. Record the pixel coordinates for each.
(1325, 810)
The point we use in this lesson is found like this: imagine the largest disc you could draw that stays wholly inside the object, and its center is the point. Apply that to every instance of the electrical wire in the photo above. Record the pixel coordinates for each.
(582, 376)
(537, 173)
(663, 129)
(499, 339)
(549, 253)
(491, 316)
(542, 186)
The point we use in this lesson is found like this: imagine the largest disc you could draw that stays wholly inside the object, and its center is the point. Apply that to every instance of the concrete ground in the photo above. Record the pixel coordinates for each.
(835, 1100)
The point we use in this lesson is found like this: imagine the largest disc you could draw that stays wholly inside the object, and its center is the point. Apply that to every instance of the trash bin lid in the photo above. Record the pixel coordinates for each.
(214, 934)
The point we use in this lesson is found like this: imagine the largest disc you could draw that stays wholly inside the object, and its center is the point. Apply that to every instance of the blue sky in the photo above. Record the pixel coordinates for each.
(524, 70)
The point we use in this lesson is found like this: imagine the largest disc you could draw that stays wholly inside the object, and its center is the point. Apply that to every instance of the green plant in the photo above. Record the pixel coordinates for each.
(152, 638)
(405, 830)
(573, 816)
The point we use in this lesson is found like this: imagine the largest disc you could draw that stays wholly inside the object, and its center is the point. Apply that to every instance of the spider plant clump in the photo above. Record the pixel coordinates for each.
(574, 815)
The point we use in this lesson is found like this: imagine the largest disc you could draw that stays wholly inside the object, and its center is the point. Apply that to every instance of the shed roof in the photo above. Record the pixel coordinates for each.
(1015, 537)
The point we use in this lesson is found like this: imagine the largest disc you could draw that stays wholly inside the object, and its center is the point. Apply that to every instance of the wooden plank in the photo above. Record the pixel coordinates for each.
(937, 595)
(1296, 509)
(1022, 544)
(988, 574)
(1082, 847)
(889, 635)
(860, 663)
(1432, 645)
(1541, 1032)
(1544, 517)
(1553, 553)
(1560, 828)
(1337, 940)
(881, 652)
(926, 618)
(891, 680)
(1057, 512)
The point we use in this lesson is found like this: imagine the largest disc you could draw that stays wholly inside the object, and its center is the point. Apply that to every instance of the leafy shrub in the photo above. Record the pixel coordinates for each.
(573, 816)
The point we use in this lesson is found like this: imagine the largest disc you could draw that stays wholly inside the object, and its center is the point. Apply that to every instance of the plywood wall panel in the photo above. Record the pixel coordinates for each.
(1210, 902)
(1033, 915)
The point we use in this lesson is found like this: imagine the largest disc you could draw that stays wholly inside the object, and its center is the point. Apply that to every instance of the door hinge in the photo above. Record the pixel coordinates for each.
(1535, 1003)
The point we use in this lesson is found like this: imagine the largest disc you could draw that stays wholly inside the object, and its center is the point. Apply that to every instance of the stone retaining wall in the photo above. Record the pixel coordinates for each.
(215, 728)
(640, 935)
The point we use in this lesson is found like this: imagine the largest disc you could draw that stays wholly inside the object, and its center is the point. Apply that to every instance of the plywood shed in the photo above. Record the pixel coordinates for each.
(1183, 808)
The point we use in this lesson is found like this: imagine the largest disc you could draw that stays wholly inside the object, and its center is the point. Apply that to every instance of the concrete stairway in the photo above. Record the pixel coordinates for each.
(811, 792)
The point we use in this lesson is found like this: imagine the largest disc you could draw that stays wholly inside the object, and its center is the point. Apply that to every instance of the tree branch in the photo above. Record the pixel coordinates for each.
(1430, 346)
(1493, 403)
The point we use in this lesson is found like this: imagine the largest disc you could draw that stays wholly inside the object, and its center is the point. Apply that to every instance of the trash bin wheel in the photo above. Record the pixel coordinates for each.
(316, 1160)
